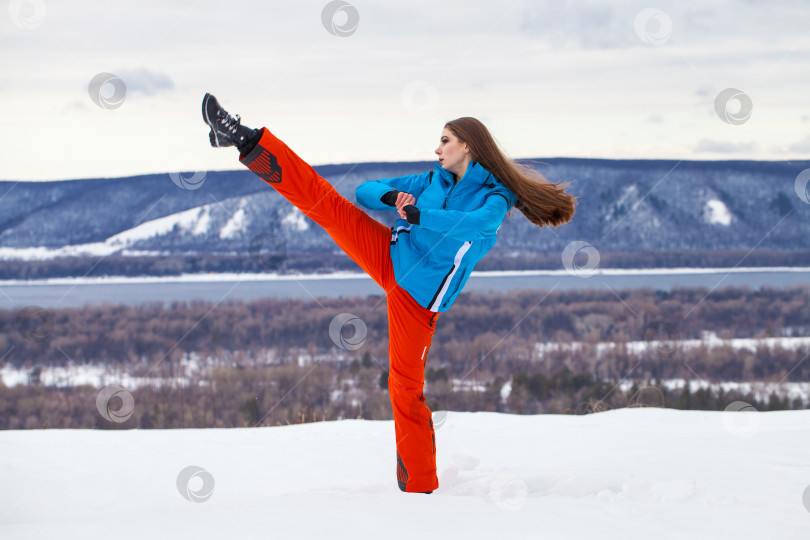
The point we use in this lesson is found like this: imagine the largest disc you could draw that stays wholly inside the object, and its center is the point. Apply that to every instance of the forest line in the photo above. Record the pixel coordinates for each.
(275, 361)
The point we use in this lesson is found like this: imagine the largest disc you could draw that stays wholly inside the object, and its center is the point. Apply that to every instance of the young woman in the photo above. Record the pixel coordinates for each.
(449, 218)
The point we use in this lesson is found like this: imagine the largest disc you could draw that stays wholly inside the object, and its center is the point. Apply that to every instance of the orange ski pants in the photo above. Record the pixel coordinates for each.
(410, 326)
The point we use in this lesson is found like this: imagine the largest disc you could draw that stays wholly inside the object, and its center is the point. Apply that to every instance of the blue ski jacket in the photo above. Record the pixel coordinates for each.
(458, 224)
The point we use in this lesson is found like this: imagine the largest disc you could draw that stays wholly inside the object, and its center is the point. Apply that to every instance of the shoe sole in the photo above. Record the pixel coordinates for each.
(215, 141)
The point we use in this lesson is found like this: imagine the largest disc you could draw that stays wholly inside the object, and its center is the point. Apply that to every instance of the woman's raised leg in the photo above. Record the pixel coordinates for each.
(363, 238)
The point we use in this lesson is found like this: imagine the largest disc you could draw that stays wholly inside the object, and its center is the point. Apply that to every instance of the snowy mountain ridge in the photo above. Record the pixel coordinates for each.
(624, 205)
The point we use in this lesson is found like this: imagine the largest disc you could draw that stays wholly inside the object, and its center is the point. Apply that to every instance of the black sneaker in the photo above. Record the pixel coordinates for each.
(226, 130)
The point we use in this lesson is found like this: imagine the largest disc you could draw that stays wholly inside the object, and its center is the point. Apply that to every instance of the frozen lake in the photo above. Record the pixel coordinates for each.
(218, 287)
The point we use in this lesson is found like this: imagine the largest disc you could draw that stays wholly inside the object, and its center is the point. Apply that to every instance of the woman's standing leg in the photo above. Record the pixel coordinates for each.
(411, 328)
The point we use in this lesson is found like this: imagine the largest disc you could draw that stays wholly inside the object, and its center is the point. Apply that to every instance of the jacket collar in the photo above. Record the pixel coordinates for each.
(476, 173)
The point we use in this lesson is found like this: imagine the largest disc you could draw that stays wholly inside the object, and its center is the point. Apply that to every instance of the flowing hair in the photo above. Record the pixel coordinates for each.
(542, 202)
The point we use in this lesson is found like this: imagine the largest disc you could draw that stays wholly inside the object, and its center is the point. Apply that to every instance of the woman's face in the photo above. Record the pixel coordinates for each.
(454, 155)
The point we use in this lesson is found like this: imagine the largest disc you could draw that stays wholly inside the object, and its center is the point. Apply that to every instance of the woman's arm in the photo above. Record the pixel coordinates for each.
(466, 226)
(369, 193)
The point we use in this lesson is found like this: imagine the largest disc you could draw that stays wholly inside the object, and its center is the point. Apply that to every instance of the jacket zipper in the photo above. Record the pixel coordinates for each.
(444, 204)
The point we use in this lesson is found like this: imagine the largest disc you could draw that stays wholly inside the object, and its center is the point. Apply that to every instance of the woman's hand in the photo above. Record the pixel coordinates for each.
(404, 199)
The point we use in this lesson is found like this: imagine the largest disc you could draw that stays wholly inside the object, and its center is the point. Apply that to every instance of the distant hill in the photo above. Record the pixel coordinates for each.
(625, 206)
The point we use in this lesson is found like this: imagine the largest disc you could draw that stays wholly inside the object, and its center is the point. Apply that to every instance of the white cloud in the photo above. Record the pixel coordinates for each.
(725, 147)
(801, 147)
(145, 81)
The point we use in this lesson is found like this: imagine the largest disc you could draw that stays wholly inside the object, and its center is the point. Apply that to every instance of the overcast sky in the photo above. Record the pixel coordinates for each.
(376, 80)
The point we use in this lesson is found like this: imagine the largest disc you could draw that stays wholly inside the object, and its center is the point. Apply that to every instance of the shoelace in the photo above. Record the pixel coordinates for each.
(230, 123)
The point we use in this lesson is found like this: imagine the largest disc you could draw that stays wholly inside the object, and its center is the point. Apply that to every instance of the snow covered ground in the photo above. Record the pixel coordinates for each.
(624, 474)
(708, 340)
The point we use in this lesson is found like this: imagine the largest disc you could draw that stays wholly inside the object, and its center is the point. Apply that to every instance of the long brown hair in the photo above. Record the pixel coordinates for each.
(542, 202)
